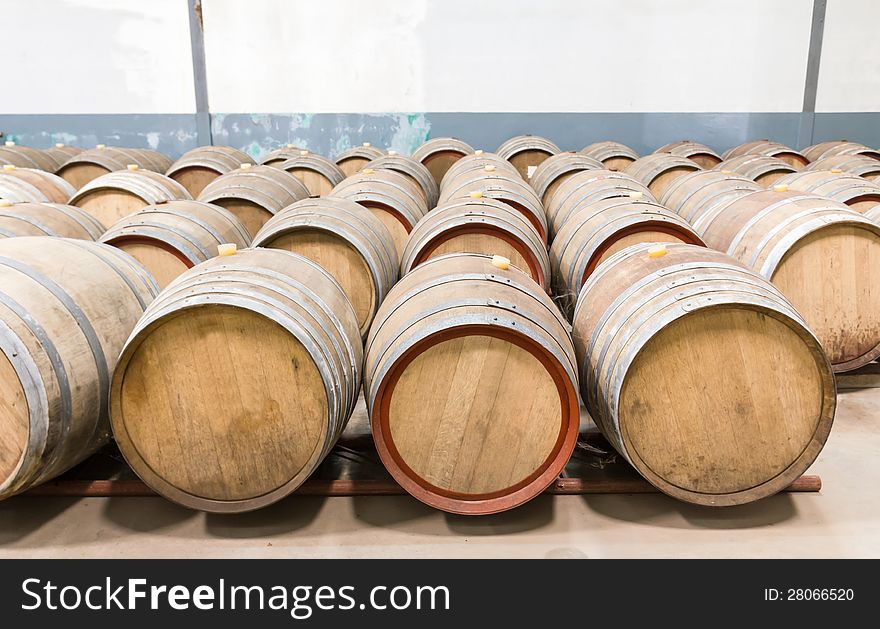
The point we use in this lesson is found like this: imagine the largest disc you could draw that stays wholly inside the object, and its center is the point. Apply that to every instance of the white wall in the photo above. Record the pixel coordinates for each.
(849, 74)
(96, 56)
(506, 55)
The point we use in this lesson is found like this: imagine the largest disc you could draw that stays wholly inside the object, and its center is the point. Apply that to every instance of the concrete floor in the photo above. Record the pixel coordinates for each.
(841, 521)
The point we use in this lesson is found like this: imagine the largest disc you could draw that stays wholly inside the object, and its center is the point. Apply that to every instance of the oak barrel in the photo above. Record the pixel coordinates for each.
(237, 381)
(658, 170)
(53, 187)
(61, 152)
(839, 147)
(438, 154)
(101, 160)
(701, 374)
(694, 151)
(17, 190)
(115, 195)
(280, 155)
(347, 240)
(254, 194)
(525, 152)
(60, 335)
(860, 165)
(614, 155)
(477, 162)
(446, 361)
(393, 198)
(317, 173)
(767, 148)
(414, 171)
(700, 191)
(597, 231)
(27, 157)
(47, 219)
(353, 159)
(169, 238)
(761, 169)
(852, 190)
(553, 171)
(483, 225)
(821, 255)
(197, 168)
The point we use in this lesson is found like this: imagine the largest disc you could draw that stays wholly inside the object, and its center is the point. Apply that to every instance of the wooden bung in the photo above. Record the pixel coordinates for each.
(48, 219)
(352, 160)
(614, 155)
(114, 196)
(439, 154)
(197, 168)
(694, 151)
(101, 160)
(595, 232)
(658, 170)
(169, 238)
(525, 152)
(347, 240)
(484, 226)
(761, 169)
(587, 187)
(820, 254)
(700, 191)
(679, 350)
(237, 381)
(852, 190)
(768, 149)
(393, 198)
(446, 360)
(318, 174)
(553, 171)
(254, 194)
(412, 170)
(60, 335)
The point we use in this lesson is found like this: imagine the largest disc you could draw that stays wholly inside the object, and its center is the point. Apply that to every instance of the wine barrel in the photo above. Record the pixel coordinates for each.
(237, 381)
(553, 171)
(352, 160)
(254, 194)
(588, 187)
(525, 152)
(61, 152)
(658, 170)
(101, 160)
(347, 240)
(694, 151)
(27, 157)
(114, 196)
(759, 168)
(280, 155)
(169, 238)
(597, 231)
(197, 168)
(653, 321)
(447, 359)
(839, 147)
(412, 170)
(693, 194)
(477, 162)
(47, 219)
(60, 334)
(819, 253)
(502, 186)
(853, 164)
(439, 154)
(318, 174)
(873, 214)
(393, 198)
(768, 149)
(614, 155)
(53, 187)
(485, 226)
(17, 190)
(852, 190)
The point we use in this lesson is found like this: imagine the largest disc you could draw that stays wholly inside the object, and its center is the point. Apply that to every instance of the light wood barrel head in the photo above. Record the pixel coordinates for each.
(453, 410)
(829, 278)
(759, 429)
(341, 260)
(251, 215)
(213, 422)
(14, 419)
(82, 173)
(163, 263)
(317, 184)
(439, 154)
(195, 178)
(109, 206)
